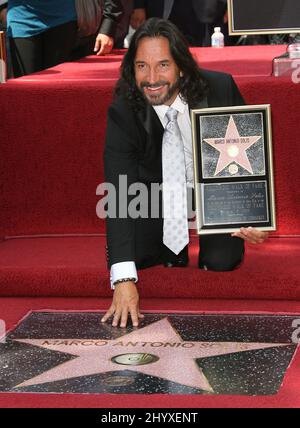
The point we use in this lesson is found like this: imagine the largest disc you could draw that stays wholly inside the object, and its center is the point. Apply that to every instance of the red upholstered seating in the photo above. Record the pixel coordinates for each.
(52, 128)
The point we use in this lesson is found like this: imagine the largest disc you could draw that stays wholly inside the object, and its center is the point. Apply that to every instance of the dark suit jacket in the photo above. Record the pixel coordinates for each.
(207, 11)
(112, 12)
(133, 148)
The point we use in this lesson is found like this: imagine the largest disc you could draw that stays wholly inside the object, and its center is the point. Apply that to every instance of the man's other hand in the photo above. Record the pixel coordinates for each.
(251, 235)
(125, 301)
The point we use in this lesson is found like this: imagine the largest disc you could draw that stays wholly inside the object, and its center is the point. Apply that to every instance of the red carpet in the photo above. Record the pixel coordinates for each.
(77, 267)
(237, 60)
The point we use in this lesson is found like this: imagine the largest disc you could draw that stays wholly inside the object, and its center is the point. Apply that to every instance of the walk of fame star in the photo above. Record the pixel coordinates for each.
(163, 352)
(232, 148)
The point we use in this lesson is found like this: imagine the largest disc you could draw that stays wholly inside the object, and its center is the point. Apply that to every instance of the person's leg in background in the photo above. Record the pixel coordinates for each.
(47, 49)
(26, 55)
(84, 46)
(58, 43)
(123, 24)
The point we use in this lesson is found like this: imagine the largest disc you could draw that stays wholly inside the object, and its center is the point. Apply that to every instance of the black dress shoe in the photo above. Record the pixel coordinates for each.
(173, 260)
(201, 265)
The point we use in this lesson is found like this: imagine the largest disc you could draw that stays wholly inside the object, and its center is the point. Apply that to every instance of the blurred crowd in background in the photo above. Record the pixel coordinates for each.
(44, 33)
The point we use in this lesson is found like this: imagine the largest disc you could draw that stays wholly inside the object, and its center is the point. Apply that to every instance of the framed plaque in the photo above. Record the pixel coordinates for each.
(263, 17)
(233, 169)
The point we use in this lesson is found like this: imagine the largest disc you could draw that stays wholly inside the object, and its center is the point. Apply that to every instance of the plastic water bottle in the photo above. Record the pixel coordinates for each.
(217, 39)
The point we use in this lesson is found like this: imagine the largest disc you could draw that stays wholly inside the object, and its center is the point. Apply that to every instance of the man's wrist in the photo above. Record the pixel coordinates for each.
(119, 281)
(123, 270)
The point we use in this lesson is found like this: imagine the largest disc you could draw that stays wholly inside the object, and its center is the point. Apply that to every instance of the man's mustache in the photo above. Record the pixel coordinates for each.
(154, 85)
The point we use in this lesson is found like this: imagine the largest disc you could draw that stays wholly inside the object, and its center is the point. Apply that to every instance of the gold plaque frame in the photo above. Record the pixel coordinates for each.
(213, 190)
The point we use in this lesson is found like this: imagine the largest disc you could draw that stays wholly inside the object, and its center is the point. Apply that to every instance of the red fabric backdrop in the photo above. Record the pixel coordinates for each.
(52, 133)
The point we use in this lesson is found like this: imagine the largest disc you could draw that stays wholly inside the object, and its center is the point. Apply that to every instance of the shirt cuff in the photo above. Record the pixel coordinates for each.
(122, 270)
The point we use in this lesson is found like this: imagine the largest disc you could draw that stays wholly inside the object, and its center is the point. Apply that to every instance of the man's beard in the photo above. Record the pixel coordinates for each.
(157, 100)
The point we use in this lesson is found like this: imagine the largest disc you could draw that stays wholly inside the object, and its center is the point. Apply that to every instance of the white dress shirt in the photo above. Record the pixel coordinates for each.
(128, 269)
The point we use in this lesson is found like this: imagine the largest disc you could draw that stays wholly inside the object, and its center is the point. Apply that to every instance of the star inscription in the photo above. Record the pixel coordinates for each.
(232, 148)
(174, 359)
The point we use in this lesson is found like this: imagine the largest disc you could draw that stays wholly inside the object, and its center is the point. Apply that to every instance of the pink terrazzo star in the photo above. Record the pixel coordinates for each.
(176, 358)
(232, 148)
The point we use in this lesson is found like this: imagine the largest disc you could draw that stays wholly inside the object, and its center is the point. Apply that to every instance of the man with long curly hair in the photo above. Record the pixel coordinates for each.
(158, 74)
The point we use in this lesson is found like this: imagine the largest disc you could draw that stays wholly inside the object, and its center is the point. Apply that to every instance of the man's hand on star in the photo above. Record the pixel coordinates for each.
(125, 301)
(251, 235)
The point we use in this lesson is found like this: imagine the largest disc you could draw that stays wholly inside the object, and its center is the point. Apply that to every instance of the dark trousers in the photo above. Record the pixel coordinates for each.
(52, 47)
(218, 253)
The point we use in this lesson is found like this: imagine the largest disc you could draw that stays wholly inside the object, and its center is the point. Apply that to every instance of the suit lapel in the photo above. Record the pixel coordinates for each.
(152, 125)
(203, 103)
